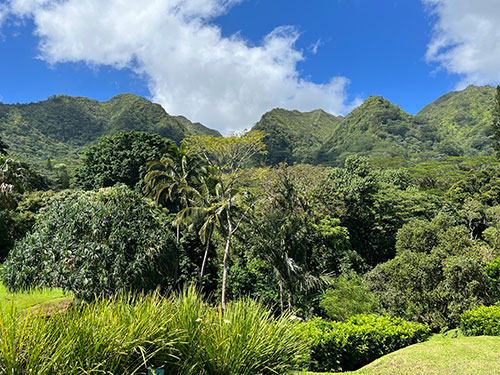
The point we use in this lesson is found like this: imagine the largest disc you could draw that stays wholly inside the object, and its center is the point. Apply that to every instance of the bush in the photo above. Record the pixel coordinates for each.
(480, 321)
(96, 243)
(337, 346)
(349, 297)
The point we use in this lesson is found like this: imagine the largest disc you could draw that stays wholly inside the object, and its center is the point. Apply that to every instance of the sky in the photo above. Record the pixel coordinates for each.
(225, 63)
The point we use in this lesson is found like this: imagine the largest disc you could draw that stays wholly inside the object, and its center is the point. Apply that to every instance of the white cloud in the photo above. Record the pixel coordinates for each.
(4, 12)
(466, 39)
(223, 82)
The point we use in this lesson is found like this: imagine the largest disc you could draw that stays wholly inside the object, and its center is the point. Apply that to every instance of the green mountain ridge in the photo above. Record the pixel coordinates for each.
(464, 116)
(293, 136)
(61, 125)
(379, 129)
(456, 124)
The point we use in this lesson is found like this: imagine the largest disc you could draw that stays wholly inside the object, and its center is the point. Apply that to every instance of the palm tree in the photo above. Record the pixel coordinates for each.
(174, 178)
(205, 203)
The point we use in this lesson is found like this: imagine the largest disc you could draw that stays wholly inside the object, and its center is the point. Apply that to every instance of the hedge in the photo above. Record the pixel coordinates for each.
(483, 320)
(347, 346)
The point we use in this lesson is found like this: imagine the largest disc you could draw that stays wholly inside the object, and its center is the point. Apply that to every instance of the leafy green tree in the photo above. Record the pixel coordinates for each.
(286, 232)
(496, 123)
(98, 243)
(120, 158)
(347, 297)
(438, 273)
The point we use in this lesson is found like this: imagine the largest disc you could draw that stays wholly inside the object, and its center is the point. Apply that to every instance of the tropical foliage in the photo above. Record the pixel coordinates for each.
(96, 244)
(119, 158)
(406, 230)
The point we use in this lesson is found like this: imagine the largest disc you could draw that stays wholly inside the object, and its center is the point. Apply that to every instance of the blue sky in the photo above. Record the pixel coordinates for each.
(225, 62)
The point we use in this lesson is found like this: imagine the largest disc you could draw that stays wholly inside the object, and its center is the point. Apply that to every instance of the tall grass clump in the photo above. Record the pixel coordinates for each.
(127, 335)
(108, 336)
(243, 339)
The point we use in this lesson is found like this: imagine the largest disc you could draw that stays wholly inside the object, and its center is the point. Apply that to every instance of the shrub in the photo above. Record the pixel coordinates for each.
(337, 346)
(348, 297)
(96, 243)
(480, 321)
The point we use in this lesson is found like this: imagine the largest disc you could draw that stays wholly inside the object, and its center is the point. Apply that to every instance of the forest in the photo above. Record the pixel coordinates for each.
(321, 256)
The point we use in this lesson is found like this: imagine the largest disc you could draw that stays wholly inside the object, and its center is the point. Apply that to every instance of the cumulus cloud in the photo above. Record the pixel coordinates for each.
(191, 68)
(466, 39)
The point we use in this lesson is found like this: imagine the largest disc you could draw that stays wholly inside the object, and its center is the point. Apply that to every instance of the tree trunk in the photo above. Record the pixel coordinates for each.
(178, 233)
(224, 272)
(205, 256)
(282, 306)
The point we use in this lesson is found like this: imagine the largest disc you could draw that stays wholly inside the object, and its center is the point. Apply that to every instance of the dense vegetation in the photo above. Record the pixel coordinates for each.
(96, 244)
(463, 119)
(295, 137)
(459, 123)
(380, 229)
(119, 158)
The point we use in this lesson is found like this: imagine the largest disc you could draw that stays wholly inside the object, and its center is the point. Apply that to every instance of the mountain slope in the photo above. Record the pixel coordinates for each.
(465, 117)
(293, 136)
(379, 129)
(60, 126)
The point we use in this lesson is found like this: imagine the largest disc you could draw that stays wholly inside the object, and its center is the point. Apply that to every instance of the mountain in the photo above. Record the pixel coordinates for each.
(379, 129)
(464, 117)
(293, 136)
(456, 124)
(60, 126)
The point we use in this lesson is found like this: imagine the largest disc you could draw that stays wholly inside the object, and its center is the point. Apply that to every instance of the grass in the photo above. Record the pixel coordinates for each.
(129, 334)
(37, 297)
(438, 356)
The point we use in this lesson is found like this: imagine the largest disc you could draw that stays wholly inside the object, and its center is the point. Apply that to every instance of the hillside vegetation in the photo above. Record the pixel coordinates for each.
(378, 129)
(293, 136)
(457, 124)
(465, 118)
(60, 126)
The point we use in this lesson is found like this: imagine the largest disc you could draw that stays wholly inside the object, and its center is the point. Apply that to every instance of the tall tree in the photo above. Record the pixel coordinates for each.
(229, 156)
(496, 123)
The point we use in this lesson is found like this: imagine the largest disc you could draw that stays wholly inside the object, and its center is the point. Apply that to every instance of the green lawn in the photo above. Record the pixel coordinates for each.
(439, 356)
(30, 299)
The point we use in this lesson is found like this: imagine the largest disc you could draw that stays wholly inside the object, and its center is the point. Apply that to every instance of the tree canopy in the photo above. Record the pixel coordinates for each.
(119, 158)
